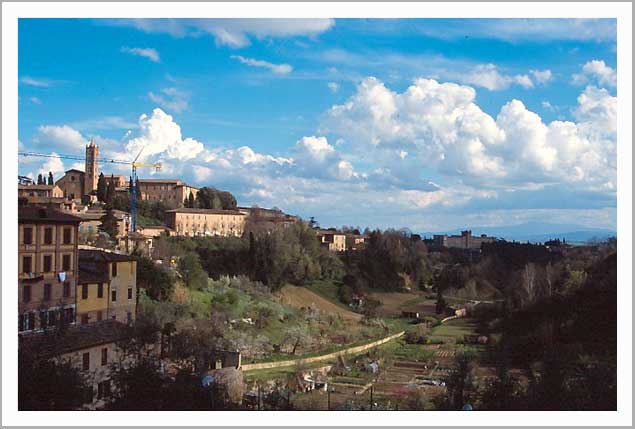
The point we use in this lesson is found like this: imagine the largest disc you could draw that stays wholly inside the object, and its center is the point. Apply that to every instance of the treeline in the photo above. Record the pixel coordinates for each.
(391, 261)
(566, 344)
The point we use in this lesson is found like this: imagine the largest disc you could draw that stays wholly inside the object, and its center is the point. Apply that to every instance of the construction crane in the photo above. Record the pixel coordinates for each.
(133, 185)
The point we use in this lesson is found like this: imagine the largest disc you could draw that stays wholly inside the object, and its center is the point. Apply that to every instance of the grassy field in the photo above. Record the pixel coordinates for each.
(452, 331)
(299, 297)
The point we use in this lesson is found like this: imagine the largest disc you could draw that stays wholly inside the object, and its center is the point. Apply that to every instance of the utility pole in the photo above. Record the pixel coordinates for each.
(371, 397)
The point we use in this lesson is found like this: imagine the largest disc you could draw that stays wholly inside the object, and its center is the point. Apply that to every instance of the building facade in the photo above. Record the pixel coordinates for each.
(107, 287)
(464, 241)
(206, 222)
(47, 268)
(332, 240)
(72, 184)
(171, 191)
(42, 191)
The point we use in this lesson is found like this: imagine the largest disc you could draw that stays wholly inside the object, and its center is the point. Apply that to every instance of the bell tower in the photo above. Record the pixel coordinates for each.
(92, 168)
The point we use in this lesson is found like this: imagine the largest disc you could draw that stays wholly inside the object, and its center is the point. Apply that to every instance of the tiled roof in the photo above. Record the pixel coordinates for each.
(206, 211)
(99, 255)
(36, 187)
(44, 215)
(74, 338)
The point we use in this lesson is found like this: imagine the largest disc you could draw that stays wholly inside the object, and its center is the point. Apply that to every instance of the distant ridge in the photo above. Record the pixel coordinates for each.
(536, 232)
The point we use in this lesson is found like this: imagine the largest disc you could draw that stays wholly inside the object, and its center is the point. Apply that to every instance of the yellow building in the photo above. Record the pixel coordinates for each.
(107, 287)
(206, 222)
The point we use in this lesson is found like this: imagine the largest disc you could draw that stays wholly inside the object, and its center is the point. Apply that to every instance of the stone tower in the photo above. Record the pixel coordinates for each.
(92, 168)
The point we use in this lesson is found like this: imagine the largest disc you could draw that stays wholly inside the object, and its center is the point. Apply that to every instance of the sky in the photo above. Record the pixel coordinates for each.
(425, 124)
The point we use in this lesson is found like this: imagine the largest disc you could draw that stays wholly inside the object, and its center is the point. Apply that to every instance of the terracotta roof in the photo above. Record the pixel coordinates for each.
(74, 169)
(36, 187)
(74, 338)
(89, 275)
(44, 215)
(99, 255)
(160, 181)
(207, 211)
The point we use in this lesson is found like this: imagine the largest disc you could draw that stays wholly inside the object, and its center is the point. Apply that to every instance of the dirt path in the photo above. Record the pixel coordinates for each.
(299, 297)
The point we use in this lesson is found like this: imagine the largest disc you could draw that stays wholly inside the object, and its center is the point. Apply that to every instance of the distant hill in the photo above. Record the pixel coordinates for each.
(536, 232)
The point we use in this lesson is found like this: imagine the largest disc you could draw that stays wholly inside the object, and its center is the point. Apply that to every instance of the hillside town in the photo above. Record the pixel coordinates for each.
(185, 290)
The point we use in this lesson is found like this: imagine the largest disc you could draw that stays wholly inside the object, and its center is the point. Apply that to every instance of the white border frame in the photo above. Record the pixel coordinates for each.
(11, 11)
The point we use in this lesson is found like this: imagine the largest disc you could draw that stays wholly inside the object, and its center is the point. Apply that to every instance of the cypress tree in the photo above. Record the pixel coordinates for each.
(51, 182)
(101, 188)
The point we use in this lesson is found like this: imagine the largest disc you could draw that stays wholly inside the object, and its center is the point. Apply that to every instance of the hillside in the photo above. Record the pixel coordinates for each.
(299, 297)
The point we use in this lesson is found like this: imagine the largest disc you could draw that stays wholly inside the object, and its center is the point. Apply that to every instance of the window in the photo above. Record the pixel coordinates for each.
(100, 316)
(28, 235)
(84, 291)
(129, 293)
(43, 319)
(26, 322)
(26, 293)
(69, 315)
(103, 389)
(48, 264)
(72, 178)
(86, 361)
(48, 235)
(67, 289)
(85, 319)
(100, 290)
(114, 296)
(104, 356)
(47, 292)
(114, 269)
(26, 264)
(52, 317)
(90, 393)
(66, 262)
(67, 236)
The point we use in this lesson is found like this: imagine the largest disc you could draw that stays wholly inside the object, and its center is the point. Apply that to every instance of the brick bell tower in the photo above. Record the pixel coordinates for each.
(92, 168)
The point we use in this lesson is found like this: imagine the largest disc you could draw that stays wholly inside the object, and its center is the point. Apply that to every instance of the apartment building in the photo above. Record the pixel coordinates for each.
(45, 191)
(47, 268)
(206, 222)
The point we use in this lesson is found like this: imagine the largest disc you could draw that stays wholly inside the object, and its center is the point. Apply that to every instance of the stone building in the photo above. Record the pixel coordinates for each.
(41, 191)
(171, 191)
(47, 267)
(206, 222)
(464, 241)
(77, 184)
(332, 240)
(107, 286)
(93, 349)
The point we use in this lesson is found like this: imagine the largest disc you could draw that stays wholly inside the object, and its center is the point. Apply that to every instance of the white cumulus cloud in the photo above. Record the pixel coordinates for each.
(171, 99)
(596, 71)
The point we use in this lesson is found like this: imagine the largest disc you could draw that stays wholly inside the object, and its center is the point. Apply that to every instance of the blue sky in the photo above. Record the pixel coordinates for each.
(426, 124)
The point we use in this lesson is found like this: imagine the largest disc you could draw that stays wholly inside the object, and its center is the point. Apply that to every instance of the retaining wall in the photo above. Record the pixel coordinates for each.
(309, 360)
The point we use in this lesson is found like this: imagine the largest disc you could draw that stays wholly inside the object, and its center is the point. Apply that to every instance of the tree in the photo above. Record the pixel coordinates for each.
(40, 179)
(110, 191)
(47, 384)
(156, 281)
(101, 188)
(212, 198)
(138, 387)
(190, 201)
(109, 224)
(297, 336)
(51, 182)
(192, 272)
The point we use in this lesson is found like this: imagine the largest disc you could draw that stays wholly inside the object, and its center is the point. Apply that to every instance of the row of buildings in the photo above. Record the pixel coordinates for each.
(74, 303)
